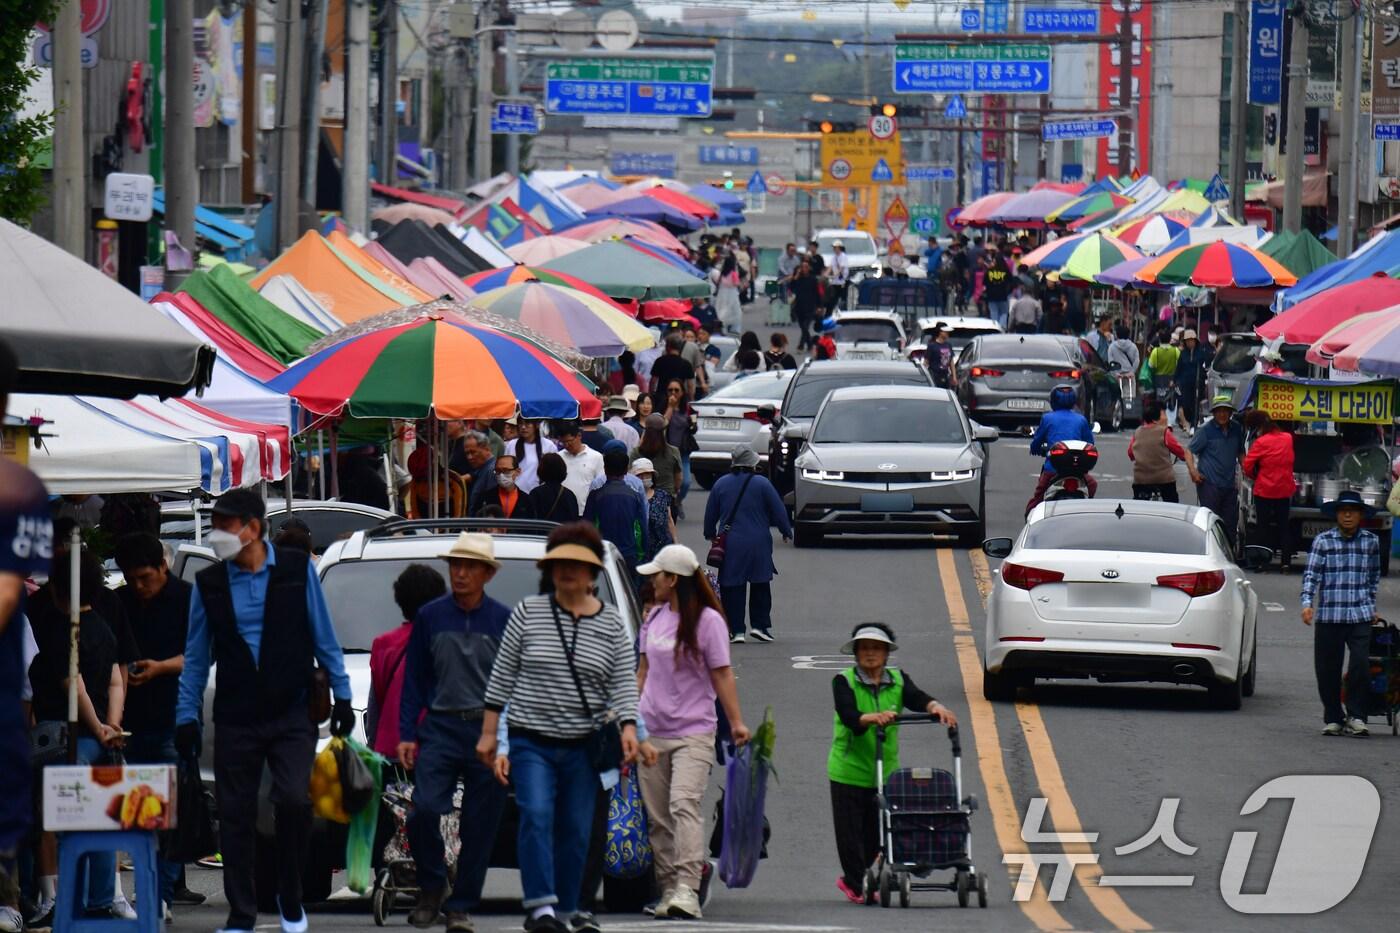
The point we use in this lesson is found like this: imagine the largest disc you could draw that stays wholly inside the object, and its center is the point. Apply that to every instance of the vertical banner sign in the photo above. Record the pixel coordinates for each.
(1265, 51)
(995, 15)
(1385, 69)
(1109, 57)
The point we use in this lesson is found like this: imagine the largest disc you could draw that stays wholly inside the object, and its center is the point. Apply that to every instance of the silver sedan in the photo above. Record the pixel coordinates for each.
(739, 413)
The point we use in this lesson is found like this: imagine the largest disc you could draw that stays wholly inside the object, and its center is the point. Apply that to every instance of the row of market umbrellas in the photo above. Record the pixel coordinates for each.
(1099, 258)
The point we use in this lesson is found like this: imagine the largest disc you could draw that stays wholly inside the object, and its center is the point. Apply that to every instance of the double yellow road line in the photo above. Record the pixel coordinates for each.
(1001, 804)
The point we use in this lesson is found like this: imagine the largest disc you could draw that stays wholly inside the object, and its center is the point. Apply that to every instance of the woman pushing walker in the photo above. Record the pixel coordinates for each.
(866, 695)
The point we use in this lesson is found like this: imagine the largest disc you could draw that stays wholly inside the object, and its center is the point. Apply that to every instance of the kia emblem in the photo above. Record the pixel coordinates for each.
(887, 466)
(1110, 575)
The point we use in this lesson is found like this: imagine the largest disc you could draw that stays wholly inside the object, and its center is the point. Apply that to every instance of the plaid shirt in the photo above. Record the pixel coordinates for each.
(1344, 574)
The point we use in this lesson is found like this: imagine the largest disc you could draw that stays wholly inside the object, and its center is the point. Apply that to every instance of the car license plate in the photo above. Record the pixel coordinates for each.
(1313, 529)
(887, 502)
(1028, 404)
(1109, 595)
(864, 355)
(720, 424)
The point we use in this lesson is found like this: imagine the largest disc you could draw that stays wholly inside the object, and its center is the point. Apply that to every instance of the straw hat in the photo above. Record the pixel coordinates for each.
(575, 552)
(473, 546)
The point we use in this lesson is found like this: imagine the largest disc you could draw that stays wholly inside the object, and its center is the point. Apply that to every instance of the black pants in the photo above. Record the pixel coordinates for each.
(1223, 501)
(1330, 639)
(760, 606)
(857, 824)
(1145, 491)
(286, 744)
(1272, 527)
(804, 323)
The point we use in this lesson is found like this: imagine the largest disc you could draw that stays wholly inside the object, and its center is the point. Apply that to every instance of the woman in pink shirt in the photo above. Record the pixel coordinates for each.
(418, 584)
(1269, 464)
(684, 646)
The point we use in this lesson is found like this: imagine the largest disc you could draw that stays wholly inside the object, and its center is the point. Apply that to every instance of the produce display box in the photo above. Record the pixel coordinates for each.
(112, 797)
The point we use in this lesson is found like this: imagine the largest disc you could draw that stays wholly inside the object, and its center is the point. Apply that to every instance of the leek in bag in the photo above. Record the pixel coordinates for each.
(359, 842)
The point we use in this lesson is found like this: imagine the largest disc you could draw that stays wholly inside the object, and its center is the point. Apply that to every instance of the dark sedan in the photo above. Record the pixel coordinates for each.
(1107, 402)
(1005, 379)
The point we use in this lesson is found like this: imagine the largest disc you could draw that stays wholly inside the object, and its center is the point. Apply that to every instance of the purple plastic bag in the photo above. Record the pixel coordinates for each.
(746, 787)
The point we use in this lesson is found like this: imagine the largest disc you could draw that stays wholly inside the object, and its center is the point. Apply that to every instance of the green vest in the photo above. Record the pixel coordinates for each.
(852, 757)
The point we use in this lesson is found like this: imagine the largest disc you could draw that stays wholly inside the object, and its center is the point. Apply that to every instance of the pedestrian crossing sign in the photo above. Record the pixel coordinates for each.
(956, 109)
(756, 183)
(881, 172)
(1216, 190)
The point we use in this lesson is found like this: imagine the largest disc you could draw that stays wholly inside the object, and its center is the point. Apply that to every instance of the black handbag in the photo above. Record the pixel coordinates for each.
(193, 836)
(721, 540)
(604, 743)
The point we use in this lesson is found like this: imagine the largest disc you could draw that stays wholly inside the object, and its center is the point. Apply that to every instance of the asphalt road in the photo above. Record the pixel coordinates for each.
(1103, 758)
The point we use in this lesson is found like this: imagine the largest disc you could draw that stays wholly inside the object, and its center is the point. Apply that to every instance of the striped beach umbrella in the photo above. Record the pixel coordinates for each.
(1216, 265)
(573, 318)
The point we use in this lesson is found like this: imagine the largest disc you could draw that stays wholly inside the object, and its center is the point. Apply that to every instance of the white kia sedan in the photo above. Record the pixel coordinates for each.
(1121, 591)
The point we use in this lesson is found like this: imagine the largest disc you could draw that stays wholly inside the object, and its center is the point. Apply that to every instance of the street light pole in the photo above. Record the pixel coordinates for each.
(485, 62)
(181, 177)
(354, 196)
(1351, 116)
(1297, 103)
(1239, 80)
(69, 166)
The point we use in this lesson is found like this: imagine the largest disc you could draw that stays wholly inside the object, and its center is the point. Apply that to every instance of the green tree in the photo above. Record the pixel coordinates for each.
(21, 181)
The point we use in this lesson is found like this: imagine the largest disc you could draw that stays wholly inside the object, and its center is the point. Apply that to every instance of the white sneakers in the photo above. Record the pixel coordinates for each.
(1332, 728)
(680, 902)
(1356, 726)
(10, 920)
(122, 909)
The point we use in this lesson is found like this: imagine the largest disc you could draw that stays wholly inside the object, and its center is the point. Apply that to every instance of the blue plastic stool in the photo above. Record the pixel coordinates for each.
(141, 846)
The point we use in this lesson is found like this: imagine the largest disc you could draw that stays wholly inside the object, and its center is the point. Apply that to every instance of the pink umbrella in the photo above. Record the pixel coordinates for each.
(1350, 333)
(615, 228)
(544, 248)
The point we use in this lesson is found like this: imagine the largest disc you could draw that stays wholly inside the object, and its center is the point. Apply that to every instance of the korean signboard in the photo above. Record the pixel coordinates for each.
(660, 164)
(857, 159)
(1060, 20)
(635, 86)
(1265, 51)
(1078, 129)
(1385, 69)
(728, 155)
(1109, 59)
(1363, 402)
(127, 196)
(936, 68)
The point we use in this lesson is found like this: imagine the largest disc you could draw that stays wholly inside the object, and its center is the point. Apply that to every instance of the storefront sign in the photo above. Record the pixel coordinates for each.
(1364, 402)
(1110, 54)
(1265, 51)
(1385, 69)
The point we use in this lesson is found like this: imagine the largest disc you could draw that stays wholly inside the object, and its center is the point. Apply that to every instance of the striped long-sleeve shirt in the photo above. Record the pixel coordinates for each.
(1341, 577)
(531, 672)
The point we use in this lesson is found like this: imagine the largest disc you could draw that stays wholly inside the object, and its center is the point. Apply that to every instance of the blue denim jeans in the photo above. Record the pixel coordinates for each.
(97, 874)
(1000, 311)
(157, 748)
(685, 479)
(556, 790)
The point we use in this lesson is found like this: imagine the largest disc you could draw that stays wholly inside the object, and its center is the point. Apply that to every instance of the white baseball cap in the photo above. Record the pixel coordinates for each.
(673, 558)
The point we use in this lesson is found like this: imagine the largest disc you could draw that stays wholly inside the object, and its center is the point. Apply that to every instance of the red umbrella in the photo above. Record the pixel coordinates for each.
(682, 202)
(1312, 317)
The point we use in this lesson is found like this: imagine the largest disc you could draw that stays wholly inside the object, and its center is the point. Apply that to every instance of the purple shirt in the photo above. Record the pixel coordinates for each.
(678, 699)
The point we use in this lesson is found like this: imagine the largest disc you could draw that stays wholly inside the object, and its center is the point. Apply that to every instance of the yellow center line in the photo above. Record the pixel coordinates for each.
(1005, 820)
(1051, 781)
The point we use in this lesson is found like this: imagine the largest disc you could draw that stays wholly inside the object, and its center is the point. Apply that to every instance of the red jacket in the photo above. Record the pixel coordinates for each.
(1270, 464)
(386, 664)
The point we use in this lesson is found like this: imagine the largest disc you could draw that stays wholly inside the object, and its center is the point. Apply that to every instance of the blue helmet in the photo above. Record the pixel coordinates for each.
(827, 325)
(1062, 398)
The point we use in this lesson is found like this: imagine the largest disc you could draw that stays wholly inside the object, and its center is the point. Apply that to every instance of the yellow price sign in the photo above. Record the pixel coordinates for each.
(851, 160)
(1357, 402)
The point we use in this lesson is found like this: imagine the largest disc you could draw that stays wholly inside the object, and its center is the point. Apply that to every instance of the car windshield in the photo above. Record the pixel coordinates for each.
(1015, 349)
(811, 391)
(854, 242)
(1105, 531)
(1236, 355)
(360, 593)
(871, 331)
(959, 337)
(768, 387)
(889, 421)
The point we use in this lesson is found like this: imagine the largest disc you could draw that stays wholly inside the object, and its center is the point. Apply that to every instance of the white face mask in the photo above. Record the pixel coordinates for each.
(505, 480)
(648, 480)
(225, 544)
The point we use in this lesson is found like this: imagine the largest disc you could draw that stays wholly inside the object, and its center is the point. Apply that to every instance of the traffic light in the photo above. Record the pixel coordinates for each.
(826, 126)
(728, 181)
(1270, 129)
(889, 110)
(831, 126)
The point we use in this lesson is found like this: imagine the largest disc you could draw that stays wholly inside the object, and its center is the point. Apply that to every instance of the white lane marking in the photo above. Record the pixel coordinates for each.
(1273, 607)
(816, 662)
(705, 926)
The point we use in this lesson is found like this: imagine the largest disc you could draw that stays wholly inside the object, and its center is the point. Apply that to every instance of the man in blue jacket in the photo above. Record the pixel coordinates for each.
(1060, 423)
(619, 513)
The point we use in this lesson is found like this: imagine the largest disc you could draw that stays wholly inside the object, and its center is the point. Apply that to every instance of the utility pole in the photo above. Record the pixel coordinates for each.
(69, 166)
(181, 177)
(962, 192)
(1297, 114)
(513, 90)
(315, 35)
(864, 54)
(248, 120)
(354, 194)
(1239, 90)
(485, 62)
(460, 123)
(289, 74)
(1353, 35)
(389, 94)
(1127, 123)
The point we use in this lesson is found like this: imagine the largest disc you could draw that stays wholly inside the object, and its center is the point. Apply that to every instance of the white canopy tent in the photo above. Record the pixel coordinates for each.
(292, 297)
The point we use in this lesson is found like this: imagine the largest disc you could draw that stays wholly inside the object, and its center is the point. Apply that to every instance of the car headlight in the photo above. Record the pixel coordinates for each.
(819, 474)
(950, 475)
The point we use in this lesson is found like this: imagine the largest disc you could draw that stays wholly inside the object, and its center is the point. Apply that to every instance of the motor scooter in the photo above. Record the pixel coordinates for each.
(1072, 461)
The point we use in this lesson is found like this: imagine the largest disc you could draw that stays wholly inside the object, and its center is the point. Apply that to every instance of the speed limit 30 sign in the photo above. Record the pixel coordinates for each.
(882, 127)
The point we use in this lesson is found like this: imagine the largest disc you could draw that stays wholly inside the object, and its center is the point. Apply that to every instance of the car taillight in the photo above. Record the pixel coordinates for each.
(1028, 578)
(755, 416)
(1065, 374)
(1194, 584)
(979, 371)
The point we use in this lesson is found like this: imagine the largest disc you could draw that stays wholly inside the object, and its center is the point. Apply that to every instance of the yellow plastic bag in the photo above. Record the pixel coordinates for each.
(327, 797)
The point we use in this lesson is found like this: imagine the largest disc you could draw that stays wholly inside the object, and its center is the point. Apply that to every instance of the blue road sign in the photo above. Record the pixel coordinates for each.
(1216, 190)
(1059, 21)
(881, 172)
(929, 173)
(991, 177)
(646, 87)
(721, 154)
(1078, 129)
(756, 183)
(515, 117)
(938, 68)
(1265, 51)
(1387, 132)
(956, 109)
(972, 20)
(996, 15)
(1071, 172)
(661, 164)
(924, 226)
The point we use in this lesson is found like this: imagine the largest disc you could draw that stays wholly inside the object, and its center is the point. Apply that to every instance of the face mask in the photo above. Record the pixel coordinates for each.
(648, 482)
(225, 544)
(505, 480)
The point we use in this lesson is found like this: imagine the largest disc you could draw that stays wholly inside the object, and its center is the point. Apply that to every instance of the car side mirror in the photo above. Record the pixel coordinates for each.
(767, 413)
(997, 547)
(984, 433)
(1256, 556)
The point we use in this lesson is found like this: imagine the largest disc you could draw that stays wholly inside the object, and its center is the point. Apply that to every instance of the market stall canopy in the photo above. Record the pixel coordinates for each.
(540, 202)
(1309, 319)
(665, 255)
(620, 271)
(1300, 253)
(451, 205)
(1216, 265)
(1352, 334)
(413, 239)
(238, 395)
(293, 298)
(91, 453)
(341, 286)
(594, 327)
(1151, 234)
(1124, 274)
(75, 330)
(438, 281)
(232, 346)
(1377, 353)
(1380, 254)
(978, 213)
(482, 245)
(408, 210)
(644, 207)
(1084, 205)
(257, 320)
(1029, 209)
(615, 228)
(358, 252)
(1314, 191)
(1092, 255)
(1250, 236)
(544, 248)
(684, 202)
(492, 279)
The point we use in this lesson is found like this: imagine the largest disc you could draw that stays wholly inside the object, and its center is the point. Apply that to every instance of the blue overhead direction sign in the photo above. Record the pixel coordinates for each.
(1386, 132)
(515, 117)
(988, 68)
(756, 183)
(1078, 129)
(972, 20)
(721, 154)
(1059, 20)
(1216, 190)
(929, 173)
(956, 109)
(881, 172)
(650, 87)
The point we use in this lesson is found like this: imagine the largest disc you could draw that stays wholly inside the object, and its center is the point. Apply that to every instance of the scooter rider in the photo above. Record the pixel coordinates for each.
(1060, 423)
